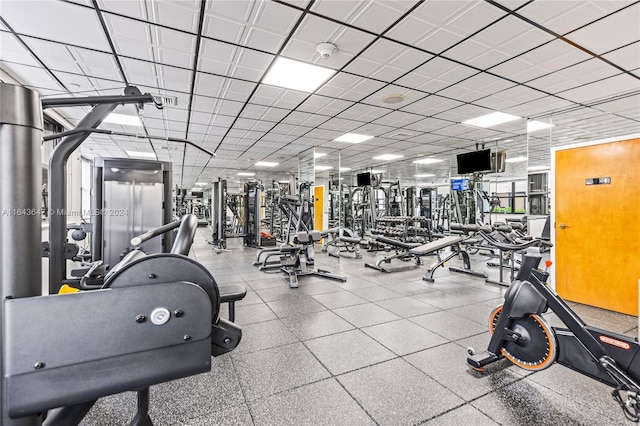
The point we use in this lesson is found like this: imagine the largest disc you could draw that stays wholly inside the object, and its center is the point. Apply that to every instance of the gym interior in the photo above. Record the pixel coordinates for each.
(319, 212)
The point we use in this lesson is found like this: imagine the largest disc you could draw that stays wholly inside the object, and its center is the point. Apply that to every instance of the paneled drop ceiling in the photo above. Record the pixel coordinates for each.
(574, 63)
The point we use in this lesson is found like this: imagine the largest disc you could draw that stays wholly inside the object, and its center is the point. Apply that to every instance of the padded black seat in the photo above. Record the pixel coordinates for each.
(231, 293)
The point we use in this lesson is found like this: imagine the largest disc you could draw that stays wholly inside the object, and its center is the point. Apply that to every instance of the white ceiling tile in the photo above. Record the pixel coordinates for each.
(127, 29)
(591, 70)
(13, 51)
(377, 16)
(592, 38)
(176, 40)
(222, 28)
(181, 14)
(411, 30)
(475, 16)
(561, 16)
(628, 57)
(552, 83)
(140, 50)
(439, 40)
(128, 8)
(314, 30)
(32, 76)
(555, 55)
(63, 22)
(601, 89)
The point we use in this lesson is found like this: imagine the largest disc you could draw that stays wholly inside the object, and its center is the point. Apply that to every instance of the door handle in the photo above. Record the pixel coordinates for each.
(563, 226)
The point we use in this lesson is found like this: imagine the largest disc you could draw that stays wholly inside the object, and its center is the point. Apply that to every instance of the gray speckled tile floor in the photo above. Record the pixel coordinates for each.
(380, 348)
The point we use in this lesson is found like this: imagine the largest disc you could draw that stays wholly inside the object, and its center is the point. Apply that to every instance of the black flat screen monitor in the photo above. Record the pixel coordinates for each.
(197, 194)
(471, 162)
(364, 179)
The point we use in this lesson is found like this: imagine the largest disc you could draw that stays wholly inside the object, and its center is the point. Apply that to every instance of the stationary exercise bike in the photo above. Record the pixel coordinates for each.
(522, 336)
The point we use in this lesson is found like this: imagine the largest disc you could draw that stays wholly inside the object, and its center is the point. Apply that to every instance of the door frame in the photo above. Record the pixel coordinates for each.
(552, 190)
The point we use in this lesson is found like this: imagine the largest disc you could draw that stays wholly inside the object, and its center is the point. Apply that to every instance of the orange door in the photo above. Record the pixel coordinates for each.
(597, 227)
(318, 207)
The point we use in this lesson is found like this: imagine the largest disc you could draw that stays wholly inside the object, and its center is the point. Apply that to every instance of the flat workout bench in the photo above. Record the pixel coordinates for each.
(415, 251)
(435, 246)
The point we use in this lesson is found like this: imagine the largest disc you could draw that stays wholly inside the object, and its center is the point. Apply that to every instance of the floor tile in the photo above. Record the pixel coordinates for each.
(396, 393)
(364, 315)
(339, 299)
(264, 335)
(373, 294)
(465, 415)
(449, 325)
(403, 337)
(407, 306)
(294, 306)
(316, 324)
(348, 351)
(321, 403)
(277, 369)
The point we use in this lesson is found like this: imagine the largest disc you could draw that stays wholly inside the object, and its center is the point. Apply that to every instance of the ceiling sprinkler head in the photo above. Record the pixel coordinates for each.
(326, 50)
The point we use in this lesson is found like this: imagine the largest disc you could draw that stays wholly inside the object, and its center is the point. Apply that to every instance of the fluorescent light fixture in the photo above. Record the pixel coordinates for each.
(425, 175)
(283, 181)
(345, 169)
(538, 168)
(246, 174)
(516, 160)
(534, 125)
(140, 154)
(127, 120)
(508, 140)
(322, 168)
(377, 171)
(266, 164)
(297, 75)
(492, 119)
(427, 161)
(353, 138)
(388, 157)
(200, 183)
(318, 154)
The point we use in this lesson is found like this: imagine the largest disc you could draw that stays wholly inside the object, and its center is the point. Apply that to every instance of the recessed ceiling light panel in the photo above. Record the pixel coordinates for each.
(388, 157)
(516, 159)
(266, 164)
(322, 168)
(353, 138)
(534, 125)
(141, 154)
(423, 175)
(427, 161)
(492, 119)
(246, 174)
(297, 75)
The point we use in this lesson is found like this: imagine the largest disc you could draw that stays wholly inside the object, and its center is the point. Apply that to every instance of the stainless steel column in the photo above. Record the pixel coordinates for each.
(20, 217)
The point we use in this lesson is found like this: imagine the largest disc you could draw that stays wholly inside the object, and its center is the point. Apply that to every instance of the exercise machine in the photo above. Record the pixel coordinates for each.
(157, 319)
(521, 335)
(294, 261)
(219, 222)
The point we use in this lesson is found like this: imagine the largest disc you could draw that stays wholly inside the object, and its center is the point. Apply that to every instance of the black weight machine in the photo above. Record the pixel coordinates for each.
(155, 320)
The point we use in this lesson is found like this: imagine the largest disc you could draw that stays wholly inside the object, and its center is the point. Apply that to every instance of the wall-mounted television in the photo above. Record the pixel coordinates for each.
(197, 194)
(363, 179)
(471, 162)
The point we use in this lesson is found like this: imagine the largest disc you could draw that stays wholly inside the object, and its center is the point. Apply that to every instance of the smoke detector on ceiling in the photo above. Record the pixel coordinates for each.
(326, 50)
(393, 99)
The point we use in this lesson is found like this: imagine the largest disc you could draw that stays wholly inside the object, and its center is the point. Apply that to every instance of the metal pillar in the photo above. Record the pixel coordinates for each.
(20, 208)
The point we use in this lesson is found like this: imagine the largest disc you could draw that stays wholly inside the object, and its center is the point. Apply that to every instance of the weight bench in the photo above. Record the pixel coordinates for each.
(296, 262)
(232, 293)
(436, 246)
(404, 254)
(344, 242)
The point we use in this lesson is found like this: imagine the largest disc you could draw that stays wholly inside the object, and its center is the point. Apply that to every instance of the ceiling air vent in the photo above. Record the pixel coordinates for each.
(166, 100)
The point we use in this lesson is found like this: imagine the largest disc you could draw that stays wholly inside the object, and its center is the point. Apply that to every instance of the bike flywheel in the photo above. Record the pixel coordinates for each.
(536, 348)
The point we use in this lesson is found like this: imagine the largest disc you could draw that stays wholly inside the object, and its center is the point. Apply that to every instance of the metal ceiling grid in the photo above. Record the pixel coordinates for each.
(575, 62)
